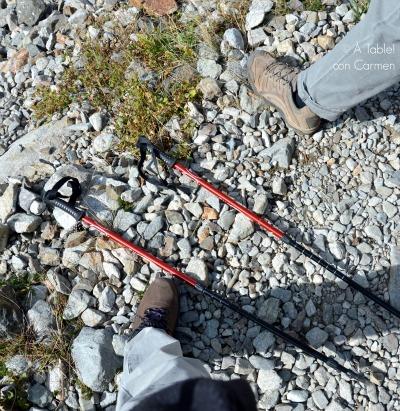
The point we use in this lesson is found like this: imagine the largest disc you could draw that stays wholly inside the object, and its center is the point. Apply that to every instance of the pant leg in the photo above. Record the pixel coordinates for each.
(153, 360)
(350, 74)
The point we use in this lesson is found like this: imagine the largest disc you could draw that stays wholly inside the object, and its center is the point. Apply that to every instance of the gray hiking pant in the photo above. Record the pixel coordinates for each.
(364, 63)
(153, 360)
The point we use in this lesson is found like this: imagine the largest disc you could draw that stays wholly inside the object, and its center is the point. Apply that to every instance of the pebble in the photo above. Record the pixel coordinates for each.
(234, 38)
(24, 223)
(198, 269)
(268, 380)
(242, 227)
(297, 396)
(97, 121)
(316, 337)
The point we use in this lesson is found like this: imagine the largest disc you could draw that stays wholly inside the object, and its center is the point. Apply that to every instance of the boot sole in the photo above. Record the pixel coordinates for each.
(300, 132)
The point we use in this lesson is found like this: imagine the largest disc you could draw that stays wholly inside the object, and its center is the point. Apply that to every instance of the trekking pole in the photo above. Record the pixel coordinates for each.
(145, 145)
(53, 198)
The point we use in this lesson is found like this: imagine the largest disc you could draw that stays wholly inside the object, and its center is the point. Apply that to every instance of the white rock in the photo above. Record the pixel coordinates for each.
(209, 68)
(234, 38)
(269, 380)
(24, 223)
(279, 186)
(92, 317)
(96, 120)
(78, 301)
(256, 37)
(104, 142)
(254, 18)
(95, 360)
(297, 396)
(107, 300)
(242, 228)
(198, 269)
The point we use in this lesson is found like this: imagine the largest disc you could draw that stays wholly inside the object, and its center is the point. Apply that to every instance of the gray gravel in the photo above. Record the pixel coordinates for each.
(337, 191)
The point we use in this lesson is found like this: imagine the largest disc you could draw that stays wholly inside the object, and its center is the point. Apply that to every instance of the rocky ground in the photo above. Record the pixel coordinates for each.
(337, 191)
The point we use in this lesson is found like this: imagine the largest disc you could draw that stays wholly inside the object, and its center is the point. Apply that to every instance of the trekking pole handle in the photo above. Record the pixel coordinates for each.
(74, 212)
(144, 144)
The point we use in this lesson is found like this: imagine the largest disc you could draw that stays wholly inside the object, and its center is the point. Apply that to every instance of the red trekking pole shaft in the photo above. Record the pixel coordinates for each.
(140, 251)
(230, 201)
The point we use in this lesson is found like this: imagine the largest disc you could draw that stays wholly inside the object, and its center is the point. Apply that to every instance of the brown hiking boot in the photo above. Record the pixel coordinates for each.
(276, 82)
(159, 307)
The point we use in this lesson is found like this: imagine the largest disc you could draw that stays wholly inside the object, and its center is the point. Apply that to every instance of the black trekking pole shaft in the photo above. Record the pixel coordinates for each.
(281, 334)
(146, 145)
(332, 269)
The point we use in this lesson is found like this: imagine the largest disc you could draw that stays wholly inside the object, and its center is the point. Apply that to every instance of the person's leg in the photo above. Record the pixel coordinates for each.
(153, 360)
(351, 72)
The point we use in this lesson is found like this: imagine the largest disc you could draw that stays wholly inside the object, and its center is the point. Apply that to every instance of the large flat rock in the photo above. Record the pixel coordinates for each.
(29, 154)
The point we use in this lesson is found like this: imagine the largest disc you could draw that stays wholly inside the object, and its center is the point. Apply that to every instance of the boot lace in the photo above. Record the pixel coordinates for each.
(282, 72)
(154, 317)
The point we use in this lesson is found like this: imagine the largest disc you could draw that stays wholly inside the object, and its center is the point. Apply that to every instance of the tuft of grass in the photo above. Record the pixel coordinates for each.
(41, 353)
(182, 151)
(21, 284)
(167, 47)
(139, 105)
(85, 390)
(359, 8)
(235, 16)
(313, 5)
(281, 7)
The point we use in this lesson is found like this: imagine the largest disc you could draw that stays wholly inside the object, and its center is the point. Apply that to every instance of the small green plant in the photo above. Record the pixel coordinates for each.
(359, 7)
(15, 397)
(85, 390)
(182, 151)
(125, 205)
(21, 283)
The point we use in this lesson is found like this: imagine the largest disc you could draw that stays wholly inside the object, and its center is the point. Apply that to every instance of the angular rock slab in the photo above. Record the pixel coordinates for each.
(94, 357)
(28, 155)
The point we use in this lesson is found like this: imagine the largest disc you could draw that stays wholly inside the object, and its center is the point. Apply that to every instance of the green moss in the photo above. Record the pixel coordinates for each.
(183, 151)
(281, 7)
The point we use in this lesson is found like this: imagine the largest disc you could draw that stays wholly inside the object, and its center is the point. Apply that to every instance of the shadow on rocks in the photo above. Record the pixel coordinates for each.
(338, 322)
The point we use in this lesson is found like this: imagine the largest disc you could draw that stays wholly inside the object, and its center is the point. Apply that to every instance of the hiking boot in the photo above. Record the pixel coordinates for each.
(159, 307)
(276, 83)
